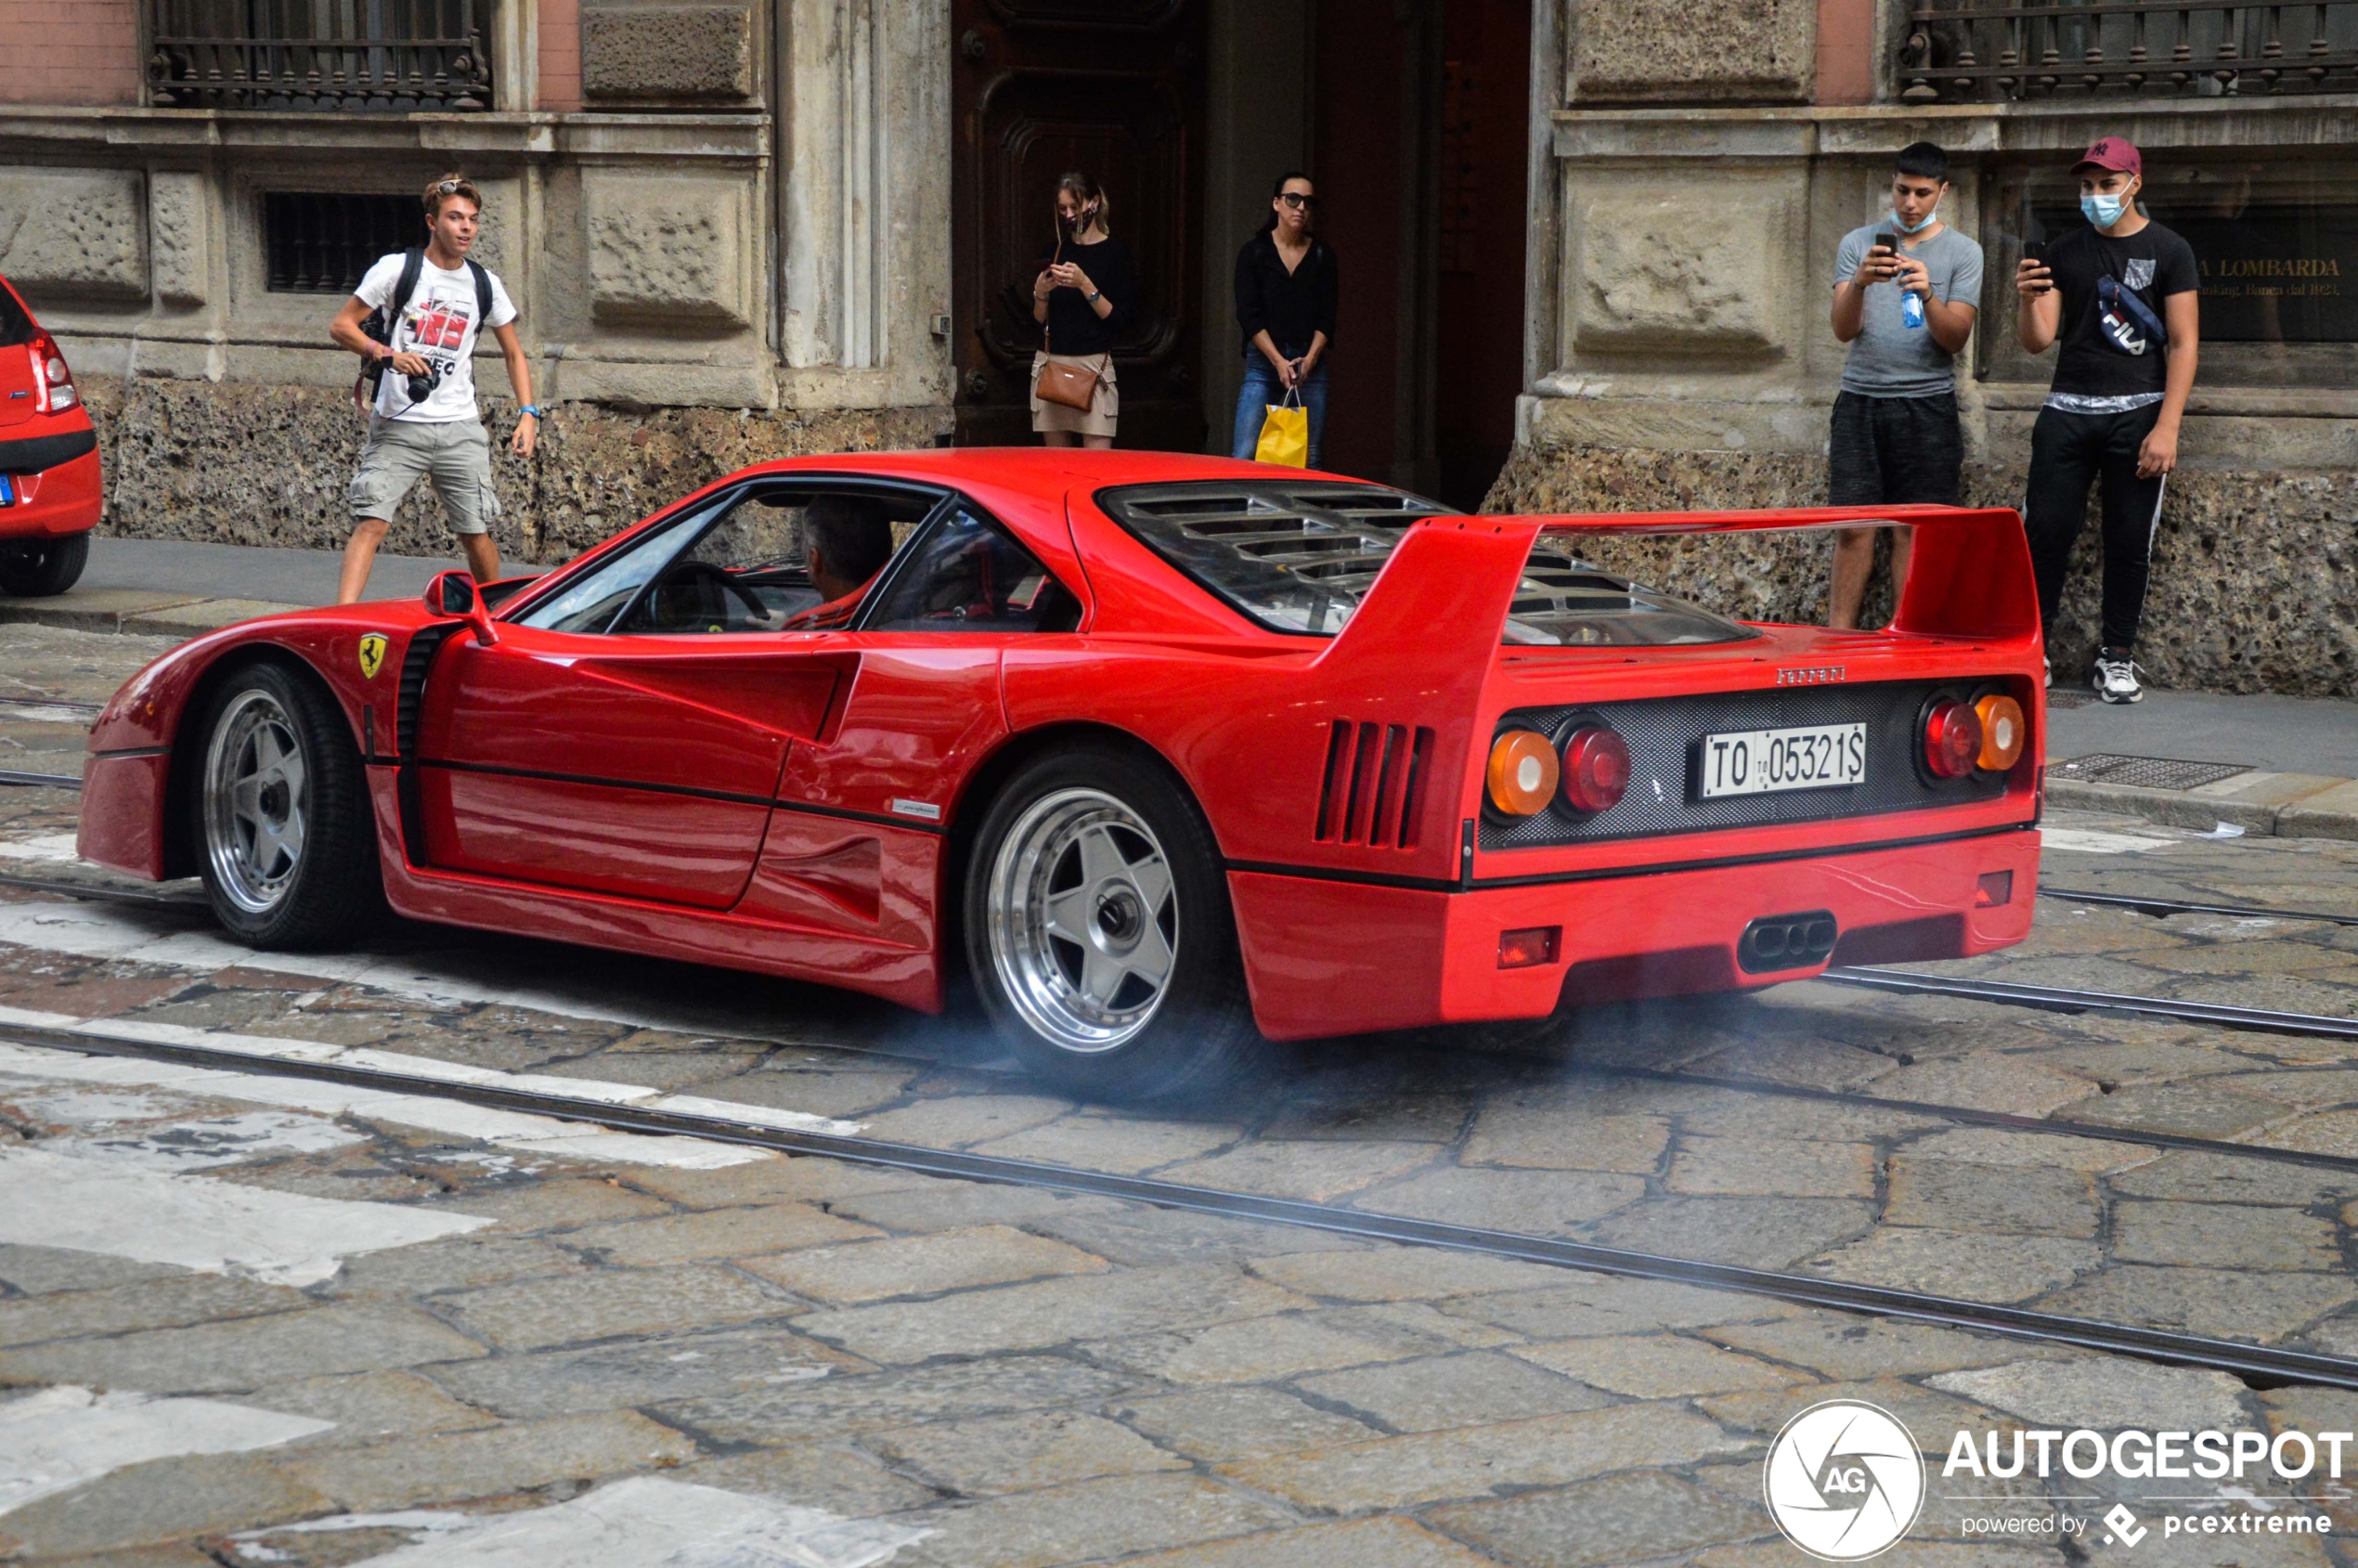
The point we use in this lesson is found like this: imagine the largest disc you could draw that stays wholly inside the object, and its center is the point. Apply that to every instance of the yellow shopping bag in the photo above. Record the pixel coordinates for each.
(1284, 434)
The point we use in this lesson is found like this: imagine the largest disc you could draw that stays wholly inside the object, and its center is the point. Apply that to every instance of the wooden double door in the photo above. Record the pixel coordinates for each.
(1114, 87)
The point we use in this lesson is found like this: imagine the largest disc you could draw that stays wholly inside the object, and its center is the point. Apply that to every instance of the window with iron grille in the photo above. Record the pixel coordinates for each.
(2071, 49)
(392, 56)
(320, 243)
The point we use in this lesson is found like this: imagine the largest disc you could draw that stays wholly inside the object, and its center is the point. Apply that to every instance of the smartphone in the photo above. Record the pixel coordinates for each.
(1890, 242)
(2035, 251)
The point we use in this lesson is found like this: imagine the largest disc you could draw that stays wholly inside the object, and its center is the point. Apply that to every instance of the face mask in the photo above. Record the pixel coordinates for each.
(2103, 211)
(1919, 225)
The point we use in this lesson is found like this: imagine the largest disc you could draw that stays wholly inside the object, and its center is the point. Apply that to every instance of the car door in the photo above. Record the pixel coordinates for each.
(863, 811)
(626, 733)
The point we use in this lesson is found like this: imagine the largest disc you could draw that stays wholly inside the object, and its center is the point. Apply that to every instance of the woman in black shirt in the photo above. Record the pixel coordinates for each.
(1086, 296)
(1286, 312)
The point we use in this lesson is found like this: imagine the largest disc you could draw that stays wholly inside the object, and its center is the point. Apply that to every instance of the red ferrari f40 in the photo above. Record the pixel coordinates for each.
(1166, 754)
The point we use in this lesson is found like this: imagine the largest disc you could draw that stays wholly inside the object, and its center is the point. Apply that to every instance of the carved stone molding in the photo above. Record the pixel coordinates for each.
(75, 234)
(1647, 280)
(180, 224)
(667, 250)
(667, 53)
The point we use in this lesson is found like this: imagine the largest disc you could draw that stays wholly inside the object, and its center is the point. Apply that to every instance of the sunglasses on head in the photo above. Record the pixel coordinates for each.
(1296, 198)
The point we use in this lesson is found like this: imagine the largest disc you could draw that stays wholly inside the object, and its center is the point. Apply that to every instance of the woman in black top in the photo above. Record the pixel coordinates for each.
(1286, 311)
(1087, 295)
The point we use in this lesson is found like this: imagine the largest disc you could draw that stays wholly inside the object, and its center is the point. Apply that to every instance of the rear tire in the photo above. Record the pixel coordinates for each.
(284, 830)
(1100, 932)
(39, 568)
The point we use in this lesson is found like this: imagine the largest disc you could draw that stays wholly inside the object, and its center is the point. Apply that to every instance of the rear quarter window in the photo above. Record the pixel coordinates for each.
(16, 322)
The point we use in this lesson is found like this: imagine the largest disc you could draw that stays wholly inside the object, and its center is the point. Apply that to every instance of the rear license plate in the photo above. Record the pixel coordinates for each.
(7, 491)
(1768, 761)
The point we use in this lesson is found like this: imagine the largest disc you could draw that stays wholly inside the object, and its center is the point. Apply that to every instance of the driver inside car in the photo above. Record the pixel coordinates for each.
(846, 541)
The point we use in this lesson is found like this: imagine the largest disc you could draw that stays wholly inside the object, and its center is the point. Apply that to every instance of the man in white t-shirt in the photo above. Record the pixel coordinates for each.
(423, 419)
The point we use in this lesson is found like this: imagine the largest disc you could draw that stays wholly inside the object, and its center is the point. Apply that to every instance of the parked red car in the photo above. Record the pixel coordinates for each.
(1167, 754)
(48, 459)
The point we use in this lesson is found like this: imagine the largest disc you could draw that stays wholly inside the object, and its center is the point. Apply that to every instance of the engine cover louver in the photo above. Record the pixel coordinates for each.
(1373, 784)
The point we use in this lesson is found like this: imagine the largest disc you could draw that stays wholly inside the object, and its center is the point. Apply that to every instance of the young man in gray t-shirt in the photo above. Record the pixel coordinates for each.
(1906, 313)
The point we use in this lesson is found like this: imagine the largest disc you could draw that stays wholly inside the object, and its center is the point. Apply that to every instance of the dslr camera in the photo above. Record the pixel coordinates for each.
(421, 387)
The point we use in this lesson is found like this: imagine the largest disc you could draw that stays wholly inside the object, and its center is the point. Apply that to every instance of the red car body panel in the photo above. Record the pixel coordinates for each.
(789, 803)
(53, 498)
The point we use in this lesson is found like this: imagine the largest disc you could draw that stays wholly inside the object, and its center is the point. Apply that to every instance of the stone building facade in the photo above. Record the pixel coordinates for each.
(1695, 162)
(724, 224)
(742, 229)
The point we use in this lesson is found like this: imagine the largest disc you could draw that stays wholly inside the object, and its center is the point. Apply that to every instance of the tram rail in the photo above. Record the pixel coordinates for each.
(2262, 1366)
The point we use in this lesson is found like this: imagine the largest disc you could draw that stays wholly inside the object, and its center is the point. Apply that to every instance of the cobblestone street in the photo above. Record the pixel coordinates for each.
(251, 1317)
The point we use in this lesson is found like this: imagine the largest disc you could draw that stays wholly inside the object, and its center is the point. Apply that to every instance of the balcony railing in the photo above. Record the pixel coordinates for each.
(363, 55)
(1965, 50)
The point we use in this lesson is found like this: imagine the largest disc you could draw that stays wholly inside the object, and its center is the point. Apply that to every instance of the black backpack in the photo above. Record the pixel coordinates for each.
(378, 326)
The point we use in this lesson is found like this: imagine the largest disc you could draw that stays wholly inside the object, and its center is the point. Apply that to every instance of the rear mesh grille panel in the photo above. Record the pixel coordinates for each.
(1373, 784)
(1666, 737)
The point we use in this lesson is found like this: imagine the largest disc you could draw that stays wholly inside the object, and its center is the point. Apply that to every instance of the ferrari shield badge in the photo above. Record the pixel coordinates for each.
(372, 655)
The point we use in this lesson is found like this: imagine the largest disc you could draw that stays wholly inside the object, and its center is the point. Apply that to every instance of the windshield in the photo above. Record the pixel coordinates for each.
(1297, 557)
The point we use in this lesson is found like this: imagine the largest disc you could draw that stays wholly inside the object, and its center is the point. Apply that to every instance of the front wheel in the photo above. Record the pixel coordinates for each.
(282, 814)
(1099, 931)
(41, 568)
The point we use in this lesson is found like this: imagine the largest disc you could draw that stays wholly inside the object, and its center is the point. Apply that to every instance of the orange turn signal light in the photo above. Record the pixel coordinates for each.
(1529, 948)
(2003, 733)
(1523, 773)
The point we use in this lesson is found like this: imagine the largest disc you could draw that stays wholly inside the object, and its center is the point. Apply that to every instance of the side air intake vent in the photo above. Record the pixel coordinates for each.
(1373, 784)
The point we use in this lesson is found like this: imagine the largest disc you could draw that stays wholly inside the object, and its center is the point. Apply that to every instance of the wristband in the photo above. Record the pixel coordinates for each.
(1092, 296)
(532, 409)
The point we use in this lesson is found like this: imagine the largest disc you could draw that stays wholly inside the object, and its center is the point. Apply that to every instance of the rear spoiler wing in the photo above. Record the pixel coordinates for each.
(1409, 667)
(1448, 586)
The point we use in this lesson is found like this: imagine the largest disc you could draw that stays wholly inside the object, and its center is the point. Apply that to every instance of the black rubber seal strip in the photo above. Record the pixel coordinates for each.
(39, 452)
(1607, 874)
(2155, 1344)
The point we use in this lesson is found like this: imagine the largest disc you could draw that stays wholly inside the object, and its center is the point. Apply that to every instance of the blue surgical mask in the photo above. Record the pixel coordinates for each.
(1919, 225)
(2103, 211)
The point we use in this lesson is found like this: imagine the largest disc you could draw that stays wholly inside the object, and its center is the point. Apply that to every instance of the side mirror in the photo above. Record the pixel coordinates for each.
(452, 596)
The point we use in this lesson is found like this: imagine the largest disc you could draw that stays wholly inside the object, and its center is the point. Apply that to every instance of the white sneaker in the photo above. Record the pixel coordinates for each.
(2051, 674)
(2116, 680)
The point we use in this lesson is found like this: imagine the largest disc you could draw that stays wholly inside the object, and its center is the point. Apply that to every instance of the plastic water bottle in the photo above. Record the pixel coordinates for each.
(1911, 310)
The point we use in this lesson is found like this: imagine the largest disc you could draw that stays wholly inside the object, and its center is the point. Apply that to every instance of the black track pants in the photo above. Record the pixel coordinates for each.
(2070, 452)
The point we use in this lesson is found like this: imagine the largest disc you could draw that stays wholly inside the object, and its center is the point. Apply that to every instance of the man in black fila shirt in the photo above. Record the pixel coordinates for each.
(2121, 295)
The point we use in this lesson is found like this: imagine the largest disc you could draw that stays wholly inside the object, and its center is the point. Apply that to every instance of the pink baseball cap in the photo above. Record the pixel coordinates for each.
(2113, 153)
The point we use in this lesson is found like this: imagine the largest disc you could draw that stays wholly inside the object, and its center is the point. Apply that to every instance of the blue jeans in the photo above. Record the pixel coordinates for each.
(1261, 389)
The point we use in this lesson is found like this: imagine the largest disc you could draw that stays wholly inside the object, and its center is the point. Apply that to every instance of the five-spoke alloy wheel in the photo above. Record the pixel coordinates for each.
(285, 837)
(1098, 929)
(257, 795)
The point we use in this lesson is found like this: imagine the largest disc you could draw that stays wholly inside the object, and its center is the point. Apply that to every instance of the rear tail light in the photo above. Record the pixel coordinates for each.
(1953, 739)
(1993, 890)
(52, 382)
(2003, 732)
(1529, 948)
(1596, 770)
(1523, 773)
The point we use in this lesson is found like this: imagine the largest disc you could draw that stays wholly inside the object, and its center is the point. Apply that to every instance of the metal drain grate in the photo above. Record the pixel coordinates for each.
(2070, 699)
(2144, 772)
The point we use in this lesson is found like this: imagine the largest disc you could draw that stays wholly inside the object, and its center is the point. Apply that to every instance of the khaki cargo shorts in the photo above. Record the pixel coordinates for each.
(455, 454)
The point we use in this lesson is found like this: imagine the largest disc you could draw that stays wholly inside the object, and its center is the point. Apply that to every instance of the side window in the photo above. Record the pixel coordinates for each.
(741, 564)
(966, 575)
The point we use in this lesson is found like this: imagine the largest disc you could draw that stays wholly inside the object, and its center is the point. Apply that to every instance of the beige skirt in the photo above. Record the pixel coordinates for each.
(1103, 411)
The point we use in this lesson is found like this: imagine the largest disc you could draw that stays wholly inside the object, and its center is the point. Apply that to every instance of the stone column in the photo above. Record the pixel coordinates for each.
(865, 201)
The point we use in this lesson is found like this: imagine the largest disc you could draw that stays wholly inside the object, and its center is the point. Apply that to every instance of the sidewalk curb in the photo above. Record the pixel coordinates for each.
(2170, 807)
(149, 615)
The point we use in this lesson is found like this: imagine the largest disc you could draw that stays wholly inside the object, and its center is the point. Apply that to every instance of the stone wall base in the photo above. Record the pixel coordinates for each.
(232, 463)
(2255, 573)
